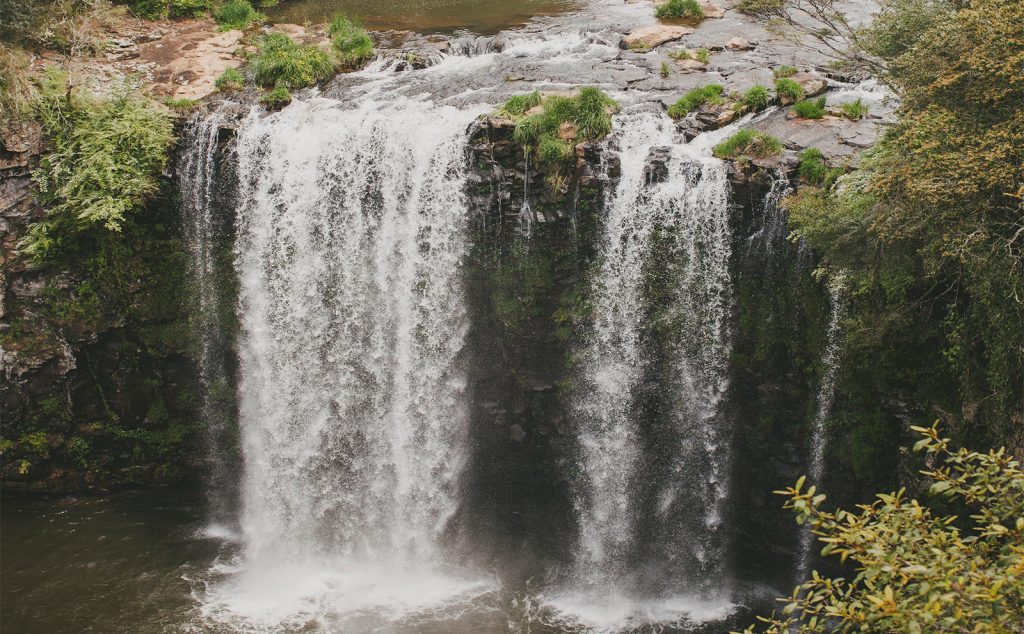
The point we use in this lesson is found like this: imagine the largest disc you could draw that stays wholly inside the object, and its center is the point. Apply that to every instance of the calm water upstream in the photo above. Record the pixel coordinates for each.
(425, 16)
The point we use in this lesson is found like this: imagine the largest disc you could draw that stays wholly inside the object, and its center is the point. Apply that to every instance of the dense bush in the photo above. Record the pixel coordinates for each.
(712, 93)
(282, 62)
(679, 9)
(918, 570)
(105, 159)
(810, 108)
(163, 9)
(237, 14)
(350, 40)
(748, 143)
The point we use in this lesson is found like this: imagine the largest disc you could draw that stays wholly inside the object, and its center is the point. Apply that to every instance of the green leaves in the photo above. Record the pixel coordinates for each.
(916, 572)
(105, 159)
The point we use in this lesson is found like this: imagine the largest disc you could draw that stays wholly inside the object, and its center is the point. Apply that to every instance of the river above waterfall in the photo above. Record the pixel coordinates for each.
(484, 17)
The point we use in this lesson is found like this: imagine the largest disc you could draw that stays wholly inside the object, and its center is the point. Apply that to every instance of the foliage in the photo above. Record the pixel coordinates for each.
(237, 14)
(680, 54)
(854, 110)
(702, 55)
(788, 90)
(756, 98)
(105, 159)
(813, 168)
(16, 89)
(758, 7)
(163, 9)
(748, 143)
(518, 105)
(282, 62)
(712, 93)
(585, 117)
(231, 79)
(917, 571)
(781, 72)
(810, 108)
(350, 40)
(551, 149)
(679, 9)
(181, 103)
(664, 70)
(277, 98)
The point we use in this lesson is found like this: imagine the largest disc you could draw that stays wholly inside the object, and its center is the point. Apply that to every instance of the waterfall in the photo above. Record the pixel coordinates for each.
(351, 237)
(830, 359)
(687, 208)
(197, 177)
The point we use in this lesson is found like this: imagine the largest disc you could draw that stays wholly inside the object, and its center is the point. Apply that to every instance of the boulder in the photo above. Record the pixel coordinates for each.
(648, 37)
(813, 83)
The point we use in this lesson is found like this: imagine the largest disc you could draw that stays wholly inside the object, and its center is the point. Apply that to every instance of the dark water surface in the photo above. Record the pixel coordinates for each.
(485, 17)
(112, 564)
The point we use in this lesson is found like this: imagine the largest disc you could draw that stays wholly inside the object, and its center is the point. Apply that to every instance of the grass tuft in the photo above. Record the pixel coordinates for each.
(854, 110)
(588, 114)
(282, 62)
(679, 9)
(277, 98)
(788, 90)
(756, 98)
(237, 14)
(810, 109)
(749, 143)
(782, 72)
(518, 105)
(231, 79)
(712, 93)
(353, 44)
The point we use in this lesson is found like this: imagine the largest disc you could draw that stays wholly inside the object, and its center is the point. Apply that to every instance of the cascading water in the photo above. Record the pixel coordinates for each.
(690, 205)
(830, 359)
(350, 242)
(196, 181)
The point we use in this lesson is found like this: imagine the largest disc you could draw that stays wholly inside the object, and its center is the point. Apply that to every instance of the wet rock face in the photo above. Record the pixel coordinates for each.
(96, 385)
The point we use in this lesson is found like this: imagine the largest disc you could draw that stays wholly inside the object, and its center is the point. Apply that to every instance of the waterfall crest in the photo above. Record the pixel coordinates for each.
(681, 214)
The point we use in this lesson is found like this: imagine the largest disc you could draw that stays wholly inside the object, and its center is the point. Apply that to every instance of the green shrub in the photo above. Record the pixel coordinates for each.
(712, 93)
(588, 113)
(782, 72)
(750, 143)
(518, 105)
(810, 108)
(277, 98)
(189, 8)
(702, 55)
(913, 567)
(789, 91)
(679, 9)
(231, 79)
(551, 149)
(78, 449)
(105, 158)
(237, 14)
(351, 40)
(854, 110)
(756, 98)
(282, 62)
(815, 170)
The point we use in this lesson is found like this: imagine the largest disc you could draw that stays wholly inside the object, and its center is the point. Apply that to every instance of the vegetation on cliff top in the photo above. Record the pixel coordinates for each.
(282, 62)
(106, 156)
(562, 122)
(675, 9)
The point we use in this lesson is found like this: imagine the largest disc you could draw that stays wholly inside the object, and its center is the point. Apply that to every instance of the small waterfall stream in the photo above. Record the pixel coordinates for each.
(683, 213)
(197, 179)
(830, 359)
